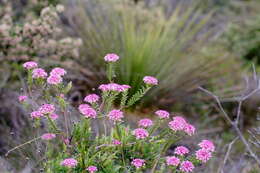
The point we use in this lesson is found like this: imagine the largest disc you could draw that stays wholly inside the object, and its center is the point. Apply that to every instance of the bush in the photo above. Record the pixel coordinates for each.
(112, 146)
(177, 49)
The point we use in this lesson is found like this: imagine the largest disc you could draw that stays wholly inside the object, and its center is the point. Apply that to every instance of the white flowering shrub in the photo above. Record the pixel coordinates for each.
(114, 146)
(35, 36)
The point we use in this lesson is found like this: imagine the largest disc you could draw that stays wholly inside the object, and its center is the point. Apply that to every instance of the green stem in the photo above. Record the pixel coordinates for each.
(52, 123)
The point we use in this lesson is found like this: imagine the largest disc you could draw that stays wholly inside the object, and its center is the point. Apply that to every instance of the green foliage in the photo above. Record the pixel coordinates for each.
(244, 39)
(175, 49)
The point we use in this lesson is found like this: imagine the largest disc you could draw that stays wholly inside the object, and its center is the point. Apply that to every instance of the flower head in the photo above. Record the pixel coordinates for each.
(203, 155)
(54, 79)
(178, 123)
(22, 98)
(189, 129)
(111, 57)
(48, 136)
(69, 163)
(162, 114)
(113, 87)
(30, 65)
(140, 133)
(181, 150)
(150, 80)
(36, 114)
(138, 163)
(87, 111)
(57, 71)
(187, 166)
(91, 98)
(116, 142)
(54, 116)
(145, 122)
(115, 115)
(172, 161)
(207, 145)
(47, 109)
(39, 73)
(92, 169)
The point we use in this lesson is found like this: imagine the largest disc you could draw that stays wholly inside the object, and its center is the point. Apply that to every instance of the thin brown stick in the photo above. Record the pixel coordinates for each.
(234, 124)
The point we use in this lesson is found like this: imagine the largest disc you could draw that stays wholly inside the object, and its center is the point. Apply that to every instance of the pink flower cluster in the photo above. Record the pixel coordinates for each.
(162, 114)
(48, 136)
(172, 161)
(39, 73)
(115, 115)
(111, 57)
(87, 111)
(69, 163)
(145, 123)
(57, 71)
(116, 142)
(92, 169)
(55, 77)
(114, 87)
(180, 124)
(181, 150)
(47, 109)
(36, 114)
(22, 98)
(140, 133)
(150, 80)
(138, 163)
(205, 153)
(91, 98)
(30, 65)
(187, 166)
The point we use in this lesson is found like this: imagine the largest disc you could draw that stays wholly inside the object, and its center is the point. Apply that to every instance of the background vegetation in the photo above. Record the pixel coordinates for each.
(184, 43)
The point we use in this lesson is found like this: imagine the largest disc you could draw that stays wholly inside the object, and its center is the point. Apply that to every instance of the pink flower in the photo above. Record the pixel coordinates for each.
(145, 122)
(125, 87)
(172, 161)
(36, 114)
(48, 136)
(187, 166)
(57, 71)
(138, 163)
(181, 150)
(111, 57)
(54, 116)
(116, 142)
(47, 109)
(30, 65)
(178, 123)
(92, 98)
(140, 133)
(87, 111)
(70, 163)
(115, 115)
(92, 169)
(203, 155)
(207, 145)
(39, 73)
(189, 129)
(22, 98)
(150, 80)
(162, 114)
(113, 87)
(54, 79)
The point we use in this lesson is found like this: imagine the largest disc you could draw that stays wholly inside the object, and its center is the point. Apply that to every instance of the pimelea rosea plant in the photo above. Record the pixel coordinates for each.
(114, 147)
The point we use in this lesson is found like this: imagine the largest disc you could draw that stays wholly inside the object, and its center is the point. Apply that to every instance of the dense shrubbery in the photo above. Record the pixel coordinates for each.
(111, 146)
(169, 46)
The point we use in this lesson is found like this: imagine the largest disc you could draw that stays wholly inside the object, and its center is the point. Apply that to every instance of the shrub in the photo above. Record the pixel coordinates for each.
(177, 49)
(114, 146)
